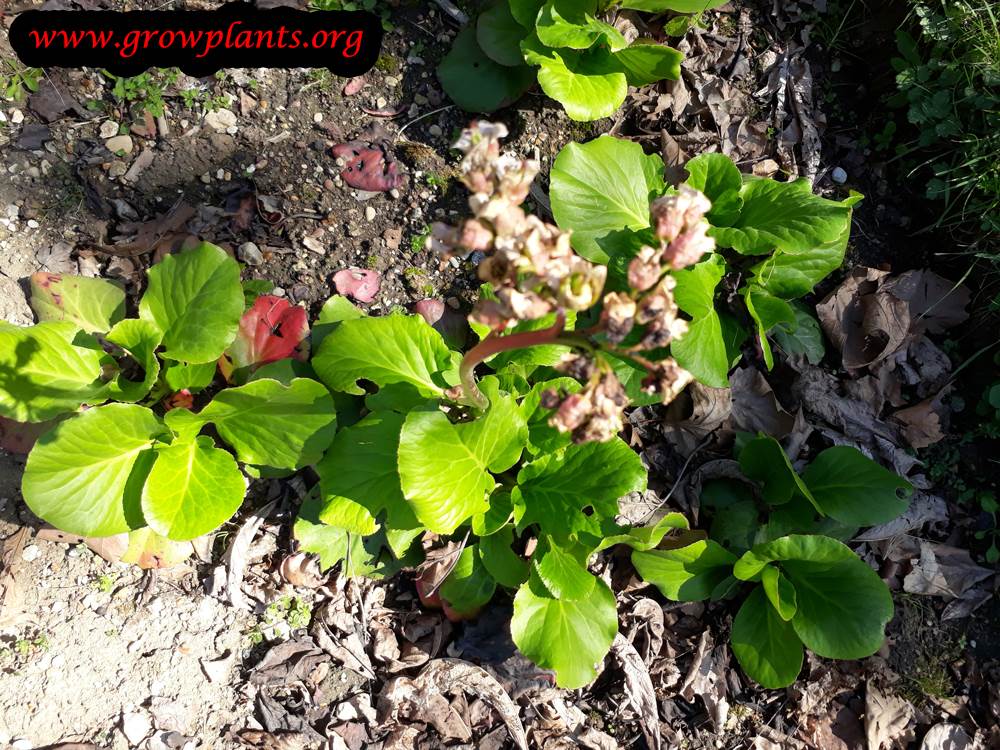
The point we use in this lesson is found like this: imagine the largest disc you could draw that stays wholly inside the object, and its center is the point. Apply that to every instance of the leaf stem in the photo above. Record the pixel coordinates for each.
(494, 344)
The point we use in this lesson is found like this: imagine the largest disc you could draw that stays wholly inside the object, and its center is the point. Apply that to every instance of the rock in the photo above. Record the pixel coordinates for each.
(117, 169)
(221, 120)
(21, 744)
(33, 137)
(122, 143)
(838, 175)
(30, 553)
(250, 254)
(109, 129)
(435, 130)
(140, 164)
(124, 209)
(370, 213)
(136, 727)
(17, 117)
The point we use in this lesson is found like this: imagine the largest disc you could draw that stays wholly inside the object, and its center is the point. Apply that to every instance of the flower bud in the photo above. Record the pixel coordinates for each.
(645, 269)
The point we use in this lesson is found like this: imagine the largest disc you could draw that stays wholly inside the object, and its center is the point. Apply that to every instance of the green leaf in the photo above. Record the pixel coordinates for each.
(475, 82)
(765, 645)
(642, 537)
(269, 424)
(764, 460)
(361, 467)
(564, 574)
(790, 276)
(140, 339)
(590, 84)
(687, 574)
(714, 175)
(603, 187)
(853, 489)
(147, 549)
(780, 592)
(196, 300)
(192, 489)
(785, 216)
(499, 35)
(496, 517)
(392, 349)
(85, 476)
(702, 350)
(500, 560)
(767, 311)
(331, 543)
(526, 11)
(543, 437)
(444, 468)
(570, 637)
(731, 506)
(646, 61)
(678, 6)
(572, 23)
(93, 305)
(47, 370)
(334, 311)
(556, 489)
(180, 375)
(469, 585)
(843, 606)
(803, 338)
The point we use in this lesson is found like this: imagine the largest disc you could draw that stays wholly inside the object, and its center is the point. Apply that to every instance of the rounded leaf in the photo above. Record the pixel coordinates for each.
(192, 489)
(475, 82)
(499, 35)
(765, 645)
(687, 574)
(85, 476)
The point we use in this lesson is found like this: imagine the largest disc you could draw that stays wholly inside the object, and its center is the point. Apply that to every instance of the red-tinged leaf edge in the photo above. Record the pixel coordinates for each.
(272, 329)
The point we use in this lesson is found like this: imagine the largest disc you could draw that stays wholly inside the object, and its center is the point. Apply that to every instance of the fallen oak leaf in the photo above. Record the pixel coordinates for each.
(638, 689)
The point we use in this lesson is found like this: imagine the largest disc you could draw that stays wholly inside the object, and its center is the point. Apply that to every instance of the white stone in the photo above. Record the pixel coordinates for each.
(17, 117)
(250, 254)
(221, 120)
(370, 213)
(109, 129)
(136, 727)
(121, 143)
(838, 175)
(30, 553)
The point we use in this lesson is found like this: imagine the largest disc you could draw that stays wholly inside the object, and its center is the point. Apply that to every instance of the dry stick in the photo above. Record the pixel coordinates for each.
(494, 344)
(453, 10)
(422, 117)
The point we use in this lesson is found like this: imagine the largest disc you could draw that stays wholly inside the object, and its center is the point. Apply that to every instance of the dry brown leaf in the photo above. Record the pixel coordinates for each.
(943, 571)
(923, 508)
(710, 409)
(887, 718)
(935, 303)
(638, 689)
(923, 424)
(706, 678)
(755, 408)
(300, 569)
(423, 699)
(946, 737)
(236, 556)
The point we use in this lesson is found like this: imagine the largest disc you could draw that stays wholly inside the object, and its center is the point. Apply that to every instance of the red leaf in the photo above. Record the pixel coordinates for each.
(271, 330)
(368, 168)
(354, 85)
(358, 283)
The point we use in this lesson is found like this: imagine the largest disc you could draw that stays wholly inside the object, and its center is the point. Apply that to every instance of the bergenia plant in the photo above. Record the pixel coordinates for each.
(506, 460)
(124, 453)
(578, 57)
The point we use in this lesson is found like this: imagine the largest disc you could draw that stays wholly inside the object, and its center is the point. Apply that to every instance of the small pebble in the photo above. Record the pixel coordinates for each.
(250, 254)
(30, 553)
(370, 213)
(21, 744)
(109, 129)
(121, 143)
(838, 175)
(435, 130)
(32, 224)
(318, 117)
(17, 117)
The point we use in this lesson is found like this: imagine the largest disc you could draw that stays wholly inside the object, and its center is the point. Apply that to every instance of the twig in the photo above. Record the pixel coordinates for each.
(453, 10)
(422, 117)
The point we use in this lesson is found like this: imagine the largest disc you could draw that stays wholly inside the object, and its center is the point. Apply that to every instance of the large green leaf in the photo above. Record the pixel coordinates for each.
(853, 489)
(469, 585)
(47, 370)
(702, 350)
(764, 460)
(573, 24)
(603, 187)
(570, 637)
(444, 468)
(642, 537)
(499, 35)
(93, 305)
(686, 574)
(270, 424)
(525, 12)
(767, 311)
(785, 216)
(790, 276)
(715, 175)
(196, 300)
(192, 489)
(842, 604)
(475, 82)
(765, 645)
(564, 572)
(543, 437)
(360, 468)
(507, 567)
(646, 61)
(802, 337)
(331, 543)
(85, 476)
(780, 592)
(139, 338)
(392, 349)
(589, 84)
(556, 490)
